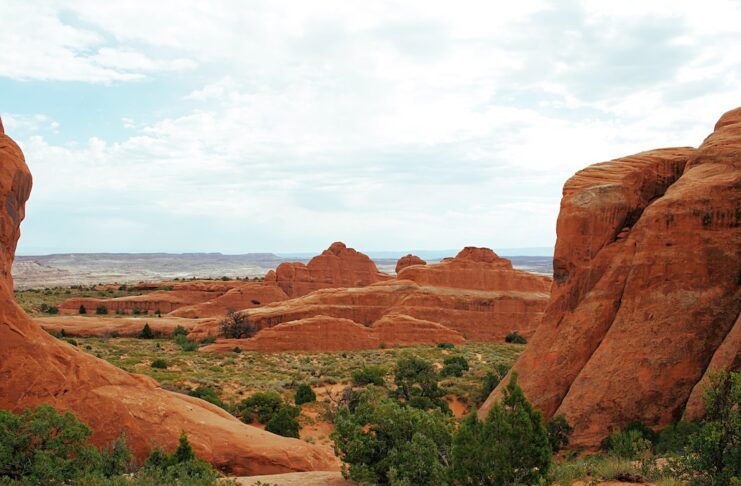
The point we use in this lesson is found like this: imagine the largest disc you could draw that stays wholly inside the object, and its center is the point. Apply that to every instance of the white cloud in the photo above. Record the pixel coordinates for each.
(414, 124)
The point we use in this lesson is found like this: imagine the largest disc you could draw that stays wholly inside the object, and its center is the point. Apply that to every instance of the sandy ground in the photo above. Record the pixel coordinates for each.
(298, 479)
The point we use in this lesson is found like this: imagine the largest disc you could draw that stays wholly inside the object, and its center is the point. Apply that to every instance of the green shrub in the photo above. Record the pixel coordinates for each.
(492, 380)
(454, 366)
(714, 452)
(146, 332)
(42, 446)
(284, 422)
(304, 394)
(136, 311)
(509, 447)
(383, 441)
(515, 338)
(185, 344)
(159, 364)
(82, 310)
(179, 331)
(416, 377)
(627, 444)
(369, 375)
(237, 349)
(445, 345)
(208, 394)
(71, 341)
(263, 405)
(559, 431)
(181, 467)
(101, 310)
(676, 437)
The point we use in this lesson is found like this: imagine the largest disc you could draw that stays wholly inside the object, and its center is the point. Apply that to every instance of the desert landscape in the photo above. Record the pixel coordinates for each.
(157, 343)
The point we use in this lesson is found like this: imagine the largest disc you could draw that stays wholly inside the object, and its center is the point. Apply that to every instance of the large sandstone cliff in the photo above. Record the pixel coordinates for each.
(647, 268)
(37, 368)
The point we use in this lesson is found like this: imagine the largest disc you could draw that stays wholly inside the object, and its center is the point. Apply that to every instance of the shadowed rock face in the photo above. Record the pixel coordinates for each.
(36, 368)
(337, 266)
(646, 287)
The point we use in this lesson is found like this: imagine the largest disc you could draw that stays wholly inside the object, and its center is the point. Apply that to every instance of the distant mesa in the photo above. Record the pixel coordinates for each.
(408, 261)
(645, 299)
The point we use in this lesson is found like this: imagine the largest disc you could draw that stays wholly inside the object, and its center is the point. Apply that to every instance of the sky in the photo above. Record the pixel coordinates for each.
(247, 126)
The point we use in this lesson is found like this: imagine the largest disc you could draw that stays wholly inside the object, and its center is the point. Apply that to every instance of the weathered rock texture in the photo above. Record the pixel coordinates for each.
(337, 266)
(37, 368)
(324, 333)
(103, 326)
(468, 295)
(408, 261)
(246, 296)
(646, 287)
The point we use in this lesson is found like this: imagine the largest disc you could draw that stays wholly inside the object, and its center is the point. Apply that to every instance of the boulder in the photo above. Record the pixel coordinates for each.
(408, 261)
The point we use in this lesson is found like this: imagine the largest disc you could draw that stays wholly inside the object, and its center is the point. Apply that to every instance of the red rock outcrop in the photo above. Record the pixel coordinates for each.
(337, 266)
(164, 301)
(37, 368)
(323, 334)
(477, 269)
(646, 287)
(475, 314)
(101, 326)
(246, 296)
(408, 261)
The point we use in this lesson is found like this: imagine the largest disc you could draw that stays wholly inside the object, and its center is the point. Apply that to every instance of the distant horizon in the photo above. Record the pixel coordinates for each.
(543, 251)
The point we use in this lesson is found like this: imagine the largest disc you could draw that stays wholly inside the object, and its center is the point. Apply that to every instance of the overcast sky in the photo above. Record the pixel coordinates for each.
(241, 126)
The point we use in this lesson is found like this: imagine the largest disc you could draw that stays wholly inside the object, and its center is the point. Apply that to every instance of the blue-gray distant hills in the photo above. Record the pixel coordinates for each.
(65, 269)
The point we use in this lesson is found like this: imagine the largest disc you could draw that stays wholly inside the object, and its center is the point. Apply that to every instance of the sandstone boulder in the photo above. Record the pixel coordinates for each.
(36, 368)
(646, 287)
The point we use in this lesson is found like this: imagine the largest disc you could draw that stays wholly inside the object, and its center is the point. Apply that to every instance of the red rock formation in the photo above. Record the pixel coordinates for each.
(324, 333)
(403, 330)
(318, 333)
(101, 326)
(478, 269)
(164, 301)
(408, 261)
(476, 314)
(246, 296)
(37, 368)
(337, 266)
(645, 290)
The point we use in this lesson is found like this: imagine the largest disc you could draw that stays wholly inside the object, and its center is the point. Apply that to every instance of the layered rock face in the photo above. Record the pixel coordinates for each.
(324, 333)
(337, 266)
(37, 368)
(467, 295)
(246, 296)
(103, 326)
(646, 291)
(408, 261)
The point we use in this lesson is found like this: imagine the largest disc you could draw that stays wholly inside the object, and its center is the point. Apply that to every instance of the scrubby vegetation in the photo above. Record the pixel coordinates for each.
(515, 338)
(235, 325)
(304, 394)
(44, 447)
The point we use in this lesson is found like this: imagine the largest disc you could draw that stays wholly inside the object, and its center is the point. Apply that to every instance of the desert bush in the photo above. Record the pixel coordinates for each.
(416, 377)
(208, 394)
(263, 405)
(515, 338)
(369, 375)
(454, 366)
(675, 437)
(146, 332)
(101, 310)
(627, 444)
(559, 431)
(235, 325)
(304, 394)
(509, 447)
(714, 452)
(383, 441)
(445, 345)
(159, 364)
(82, 309)
(284, 422)
(185, 344)
(42, 446)
(492, 380)
(182, 466)
(179, 331)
